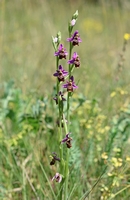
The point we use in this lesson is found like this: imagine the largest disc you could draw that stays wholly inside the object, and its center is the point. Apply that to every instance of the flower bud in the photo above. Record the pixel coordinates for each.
(59, 37)
(75, 15)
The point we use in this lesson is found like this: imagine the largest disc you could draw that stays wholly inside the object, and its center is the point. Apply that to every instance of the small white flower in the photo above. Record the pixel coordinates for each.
(73, 21)
(55, 40)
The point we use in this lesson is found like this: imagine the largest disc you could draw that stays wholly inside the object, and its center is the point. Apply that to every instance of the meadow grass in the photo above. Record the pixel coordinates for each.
(100, 109)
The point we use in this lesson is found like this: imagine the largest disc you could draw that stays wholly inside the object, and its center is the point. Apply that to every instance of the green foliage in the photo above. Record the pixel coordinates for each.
(99, 146)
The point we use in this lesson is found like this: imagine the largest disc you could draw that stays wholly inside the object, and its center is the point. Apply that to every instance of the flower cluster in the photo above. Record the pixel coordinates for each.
(61, 53)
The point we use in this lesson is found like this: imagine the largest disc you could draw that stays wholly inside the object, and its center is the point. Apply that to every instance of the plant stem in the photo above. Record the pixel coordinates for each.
(70, 52)
(24, 184)
(67, 129)
(60, 131)
(61, 152)
(66, 174)
(57, 62)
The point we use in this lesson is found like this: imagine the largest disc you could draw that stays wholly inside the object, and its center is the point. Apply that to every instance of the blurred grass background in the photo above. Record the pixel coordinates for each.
(26, 53)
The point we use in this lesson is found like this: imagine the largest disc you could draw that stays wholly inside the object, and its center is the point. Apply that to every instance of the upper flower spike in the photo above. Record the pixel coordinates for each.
(75, 39)
(75, 60)
(60, 73)
(70, 85)
(62, 53)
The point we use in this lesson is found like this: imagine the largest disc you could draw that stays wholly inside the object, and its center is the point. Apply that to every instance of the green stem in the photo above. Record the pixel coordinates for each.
(70, 52)
(67, 128)
(24, 184)
(67, 174)
(68, 106)
(57, 62)
(61, 158)
(60, 133)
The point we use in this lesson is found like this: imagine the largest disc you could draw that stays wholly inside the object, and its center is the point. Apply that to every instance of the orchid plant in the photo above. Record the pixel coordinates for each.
(62, 75)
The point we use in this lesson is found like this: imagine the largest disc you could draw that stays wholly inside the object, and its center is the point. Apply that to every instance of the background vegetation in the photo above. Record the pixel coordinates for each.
(100, 111)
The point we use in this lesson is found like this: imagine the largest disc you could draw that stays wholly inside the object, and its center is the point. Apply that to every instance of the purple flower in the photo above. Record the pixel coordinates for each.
(61, 97)
(54, 158)
(60, 73)
(67, 139)
(70, 85)
(75, 60)
(62, 53)
(75, 39)
(57, 177)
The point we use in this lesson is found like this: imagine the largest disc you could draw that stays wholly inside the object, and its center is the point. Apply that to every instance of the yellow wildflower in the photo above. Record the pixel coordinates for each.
(126, 36)
(122, 92)
(112, 94)
(109, 174)
(88, 126)
(107, 128)
(118, 150)
(127, 158)
(104, 156)
(117, 162)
